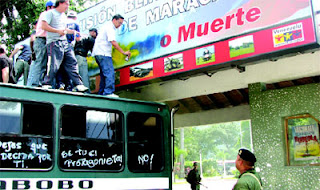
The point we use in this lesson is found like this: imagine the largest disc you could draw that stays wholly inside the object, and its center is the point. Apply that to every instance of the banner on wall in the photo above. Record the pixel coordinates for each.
(316, 13)
(175, 37)
(212, 56)
(156, 28)
(306, 142)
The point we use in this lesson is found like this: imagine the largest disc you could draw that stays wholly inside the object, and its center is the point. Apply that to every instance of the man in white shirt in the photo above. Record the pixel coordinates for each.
(102, 51)
(59, 50)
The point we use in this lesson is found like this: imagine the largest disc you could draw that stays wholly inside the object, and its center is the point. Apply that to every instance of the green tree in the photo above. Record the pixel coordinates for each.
(215, 142)
(245, 135)
(17, 17)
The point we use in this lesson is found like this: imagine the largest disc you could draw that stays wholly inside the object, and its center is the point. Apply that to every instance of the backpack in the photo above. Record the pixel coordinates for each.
(189, 177)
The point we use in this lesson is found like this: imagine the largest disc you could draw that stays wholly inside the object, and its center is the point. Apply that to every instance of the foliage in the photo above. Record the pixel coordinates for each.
(217, 142)
(210, 168)
(17, 17)
(178, 152)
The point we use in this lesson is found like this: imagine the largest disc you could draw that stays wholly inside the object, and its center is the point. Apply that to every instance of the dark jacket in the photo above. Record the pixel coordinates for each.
(83, 46)
(6, 62)
(194, 178)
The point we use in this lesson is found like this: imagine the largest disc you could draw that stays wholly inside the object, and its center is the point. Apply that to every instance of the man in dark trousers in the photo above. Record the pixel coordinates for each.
(23, 62)
(39, 65)
(249, 179)
(194, 177)
(59, 51)
(81, 50)
(6, 68)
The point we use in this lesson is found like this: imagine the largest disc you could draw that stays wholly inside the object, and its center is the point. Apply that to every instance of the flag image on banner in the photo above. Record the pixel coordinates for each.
(288, 35)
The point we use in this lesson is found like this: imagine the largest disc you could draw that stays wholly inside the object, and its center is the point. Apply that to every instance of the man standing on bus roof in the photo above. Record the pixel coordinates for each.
(38, 67)
(59, 50)
(6, 68)
(22, 65)
(249, 179)
(72, 24)
(32, 38)
(102, 51)
(81, 50)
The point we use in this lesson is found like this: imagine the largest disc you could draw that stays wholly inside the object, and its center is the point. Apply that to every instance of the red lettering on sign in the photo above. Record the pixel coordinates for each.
(305, 139)
(218, 24)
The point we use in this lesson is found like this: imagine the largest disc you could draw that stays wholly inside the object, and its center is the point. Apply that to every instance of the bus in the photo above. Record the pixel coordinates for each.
(51, 139)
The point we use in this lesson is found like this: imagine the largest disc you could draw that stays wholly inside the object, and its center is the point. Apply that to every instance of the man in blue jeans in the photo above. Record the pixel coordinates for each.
(102, 51)
(38, 67)
(59, 50)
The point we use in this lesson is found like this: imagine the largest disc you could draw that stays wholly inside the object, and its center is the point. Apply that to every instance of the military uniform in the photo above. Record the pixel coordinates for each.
(194, 179)
(248, 181)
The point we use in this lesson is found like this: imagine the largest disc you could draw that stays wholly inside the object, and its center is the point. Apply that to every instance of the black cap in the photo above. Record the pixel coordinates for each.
(195, 163)
(247, 155)
(93, 29)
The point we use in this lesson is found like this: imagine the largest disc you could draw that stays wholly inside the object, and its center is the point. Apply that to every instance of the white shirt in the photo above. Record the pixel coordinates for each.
(106, 35)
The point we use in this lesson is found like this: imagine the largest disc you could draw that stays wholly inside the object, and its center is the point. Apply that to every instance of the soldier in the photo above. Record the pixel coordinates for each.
(194, 177)
(249, 178)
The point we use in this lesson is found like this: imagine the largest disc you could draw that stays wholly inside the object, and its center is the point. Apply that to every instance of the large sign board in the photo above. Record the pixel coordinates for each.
(165, 35)
(316, 13)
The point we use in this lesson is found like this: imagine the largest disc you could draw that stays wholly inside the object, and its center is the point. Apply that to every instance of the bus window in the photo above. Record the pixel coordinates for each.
(90, 139)
(145, 148)
(10, 117)
(26, 141)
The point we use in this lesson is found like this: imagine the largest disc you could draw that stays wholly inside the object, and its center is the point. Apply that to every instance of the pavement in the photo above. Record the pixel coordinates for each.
(217, 183)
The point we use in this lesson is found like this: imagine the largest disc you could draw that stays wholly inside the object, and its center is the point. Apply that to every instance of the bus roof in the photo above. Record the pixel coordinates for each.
(9, 90)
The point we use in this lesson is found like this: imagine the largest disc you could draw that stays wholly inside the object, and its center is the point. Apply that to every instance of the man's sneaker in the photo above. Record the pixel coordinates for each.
(61, 86)
(47, 86)
(113, 95)
(80, 88)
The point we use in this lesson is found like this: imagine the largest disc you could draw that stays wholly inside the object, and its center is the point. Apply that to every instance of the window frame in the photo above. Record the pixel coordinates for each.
(87, 108)
(25, 137)
(162, 143)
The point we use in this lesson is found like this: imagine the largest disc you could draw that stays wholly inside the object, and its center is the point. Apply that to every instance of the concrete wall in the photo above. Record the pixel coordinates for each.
(268, 110)
(209, 117)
